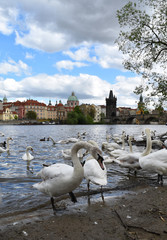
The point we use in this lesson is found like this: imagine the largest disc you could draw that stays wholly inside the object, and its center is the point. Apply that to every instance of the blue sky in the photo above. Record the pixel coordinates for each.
(49, 48)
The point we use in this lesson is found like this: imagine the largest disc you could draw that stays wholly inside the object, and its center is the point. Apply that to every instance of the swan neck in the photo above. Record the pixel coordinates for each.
(148, 144)
(74, 155)
(123, 142)
(7, 143)
(130, 146)
(74, 151)
(27, 152)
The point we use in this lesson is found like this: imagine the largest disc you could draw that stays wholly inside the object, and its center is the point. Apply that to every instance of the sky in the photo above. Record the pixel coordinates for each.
(49, 48)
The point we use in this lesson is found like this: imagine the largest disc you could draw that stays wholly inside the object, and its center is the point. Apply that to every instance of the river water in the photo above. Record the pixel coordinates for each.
(17, 176)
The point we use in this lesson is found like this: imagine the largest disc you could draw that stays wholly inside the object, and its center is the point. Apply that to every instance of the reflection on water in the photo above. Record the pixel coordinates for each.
(17, 176)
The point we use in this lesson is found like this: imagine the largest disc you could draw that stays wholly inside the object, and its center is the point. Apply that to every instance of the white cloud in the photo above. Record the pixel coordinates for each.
(82, 54)
(109, 56)
(123, 90)
(29, 55)
(17, 68)
(7, 18)
(41, 39)
(88, 88)
(54, 25)
(87, 28)
(69, 65)
(57, 86)
(10, 87)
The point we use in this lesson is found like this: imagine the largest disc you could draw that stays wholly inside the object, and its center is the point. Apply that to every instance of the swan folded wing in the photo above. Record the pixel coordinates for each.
(130, 158)
(57, 170)
(27, 157)
(94, 173)
(156, 161)
(2, 150)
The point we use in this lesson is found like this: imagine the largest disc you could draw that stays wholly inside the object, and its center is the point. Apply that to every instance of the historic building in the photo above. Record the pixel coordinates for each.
(111, 106)
(6, 114)
(39, 108)
(72, 101)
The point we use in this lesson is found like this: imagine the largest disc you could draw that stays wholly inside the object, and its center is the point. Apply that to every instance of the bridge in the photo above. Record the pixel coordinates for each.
(138, 119)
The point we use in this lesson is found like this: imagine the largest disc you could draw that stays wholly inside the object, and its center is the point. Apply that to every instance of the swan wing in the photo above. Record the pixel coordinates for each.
(155, 161)
(2, 150)
(94, 173)
(57, 170)
(129, 158)
(28, 156)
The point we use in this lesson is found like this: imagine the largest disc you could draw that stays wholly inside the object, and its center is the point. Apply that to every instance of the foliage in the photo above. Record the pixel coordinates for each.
(72, 118)
(31, 115)
(102, 115)
(78, 117)
(160, 110)
(143, 42)
(91, 112)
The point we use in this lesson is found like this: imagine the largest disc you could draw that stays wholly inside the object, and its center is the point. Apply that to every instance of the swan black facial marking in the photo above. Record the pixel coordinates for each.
(100, 161)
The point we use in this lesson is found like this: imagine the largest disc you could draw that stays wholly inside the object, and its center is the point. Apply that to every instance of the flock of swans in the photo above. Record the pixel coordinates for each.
(89, 162)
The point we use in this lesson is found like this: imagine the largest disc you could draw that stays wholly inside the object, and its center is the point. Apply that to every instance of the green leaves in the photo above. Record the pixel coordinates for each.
(31, 115)
(143, 39)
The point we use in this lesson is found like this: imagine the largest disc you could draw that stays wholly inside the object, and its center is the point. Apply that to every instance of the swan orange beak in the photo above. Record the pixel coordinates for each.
(100, 161)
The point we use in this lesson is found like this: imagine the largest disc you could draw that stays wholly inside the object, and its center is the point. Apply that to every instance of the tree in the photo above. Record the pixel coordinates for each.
(31, 115)
(76, 117)
(72, 118)
(91, 111)
(144, 42)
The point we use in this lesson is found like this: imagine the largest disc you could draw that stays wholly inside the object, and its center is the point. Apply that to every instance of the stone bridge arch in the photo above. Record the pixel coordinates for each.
(131, 120)
(151, 119)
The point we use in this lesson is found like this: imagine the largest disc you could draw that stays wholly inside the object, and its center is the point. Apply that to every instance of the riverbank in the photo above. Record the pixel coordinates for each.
(138, 215)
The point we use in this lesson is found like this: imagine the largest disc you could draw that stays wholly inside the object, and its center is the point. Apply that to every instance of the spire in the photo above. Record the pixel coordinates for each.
(111, 94)
(5, 99)
(141, 98)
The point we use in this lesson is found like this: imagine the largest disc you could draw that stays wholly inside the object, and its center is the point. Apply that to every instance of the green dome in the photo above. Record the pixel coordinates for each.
(73, 97)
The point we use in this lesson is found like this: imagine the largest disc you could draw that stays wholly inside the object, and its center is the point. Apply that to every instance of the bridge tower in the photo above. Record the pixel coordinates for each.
(111, 103)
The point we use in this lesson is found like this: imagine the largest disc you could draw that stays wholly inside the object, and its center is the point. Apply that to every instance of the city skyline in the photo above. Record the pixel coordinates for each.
(60, 47)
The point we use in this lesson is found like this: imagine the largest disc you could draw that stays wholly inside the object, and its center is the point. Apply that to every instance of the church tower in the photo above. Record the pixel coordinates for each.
(5, 99)
(111, 103)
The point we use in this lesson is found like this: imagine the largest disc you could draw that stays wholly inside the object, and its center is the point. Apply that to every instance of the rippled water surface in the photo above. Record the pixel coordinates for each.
(17, 176)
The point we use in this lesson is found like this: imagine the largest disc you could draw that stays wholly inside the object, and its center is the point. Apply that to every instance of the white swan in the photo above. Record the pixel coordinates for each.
(155, 162)
(95, 172)
(72, 140)
(2, 150)
(131, 160)
(59, 179)
(2, 134)
(27, 155)
(53, 141)
(118, 152)
(110, 146)
(114, 145)
(117, 138)
(157, 143)
(165, 143)
(67, 153)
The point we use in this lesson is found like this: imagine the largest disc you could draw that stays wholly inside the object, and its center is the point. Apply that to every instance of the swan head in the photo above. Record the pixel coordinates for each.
(29, 148)
(9, 138)
(97, 154)
(147, 131)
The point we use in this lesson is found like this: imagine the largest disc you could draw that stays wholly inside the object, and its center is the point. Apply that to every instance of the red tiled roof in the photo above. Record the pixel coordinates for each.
(35, 102)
